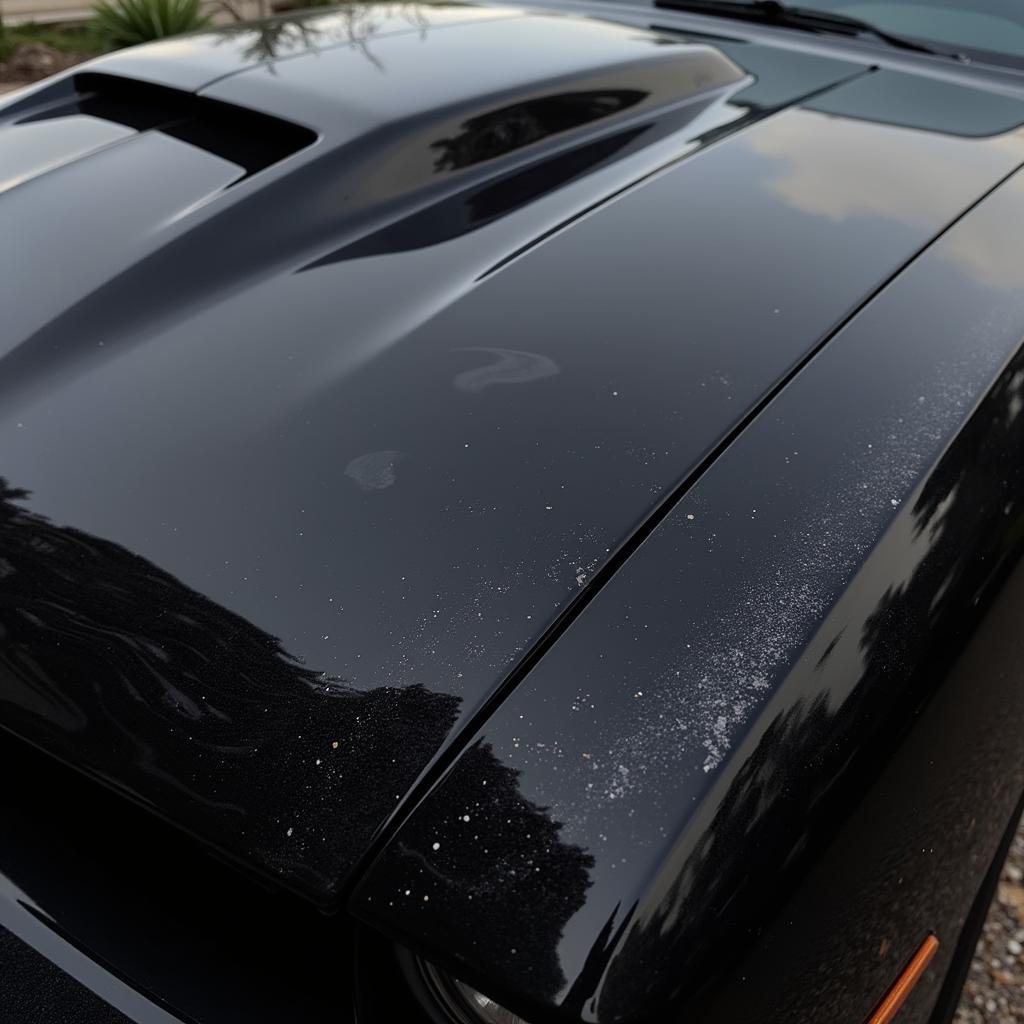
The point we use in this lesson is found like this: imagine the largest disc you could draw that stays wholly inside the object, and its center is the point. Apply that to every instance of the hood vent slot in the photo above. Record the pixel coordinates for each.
(245, 137)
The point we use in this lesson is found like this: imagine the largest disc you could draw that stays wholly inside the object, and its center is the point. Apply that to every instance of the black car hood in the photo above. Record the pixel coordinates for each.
(303, 457)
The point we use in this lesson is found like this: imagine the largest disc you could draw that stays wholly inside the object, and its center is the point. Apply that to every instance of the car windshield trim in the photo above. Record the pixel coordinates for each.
(771, 12)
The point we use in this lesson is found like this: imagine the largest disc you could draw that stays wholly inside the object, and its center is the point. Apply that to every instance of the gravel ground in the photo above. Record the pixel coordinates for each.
(994, 993)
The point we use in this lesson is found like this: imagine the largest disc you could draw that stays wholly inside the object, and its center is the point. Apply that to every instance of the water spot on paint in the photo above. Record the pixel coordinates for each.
(511, 366)
(373, 471)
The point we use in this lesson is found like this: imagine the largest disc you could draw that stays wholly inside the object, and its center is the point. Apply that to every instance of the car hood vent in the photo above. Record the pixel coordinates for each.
(245, 137)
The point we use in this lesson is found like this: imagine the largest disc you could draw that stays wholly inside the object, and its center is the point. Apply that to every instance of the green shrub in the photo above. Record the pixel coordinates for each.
(127, 22)
(79, 38)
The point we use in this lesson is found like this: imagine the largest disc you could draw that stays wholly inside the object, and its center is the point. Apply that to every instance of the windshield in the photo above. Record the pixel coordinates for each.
(985, 28)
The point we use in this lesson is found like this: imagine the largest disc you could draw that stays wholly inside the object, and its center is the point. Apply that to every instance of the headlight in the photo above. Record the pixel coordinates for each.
(464, 1003)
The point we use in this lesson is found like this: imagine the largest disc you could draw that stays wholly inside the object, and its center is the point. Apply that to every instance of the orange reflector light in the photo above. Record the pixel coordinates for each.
(905, 983)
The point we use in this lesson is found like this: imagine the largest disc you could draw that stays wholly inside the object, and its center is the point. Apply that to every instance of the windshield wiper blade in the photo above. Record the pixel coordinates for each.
(771, 12)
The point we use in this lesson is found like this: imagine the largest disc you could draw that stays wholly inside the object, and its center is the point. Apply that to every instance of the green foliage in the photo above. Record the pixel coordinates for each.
(75, 39)
(127, 22)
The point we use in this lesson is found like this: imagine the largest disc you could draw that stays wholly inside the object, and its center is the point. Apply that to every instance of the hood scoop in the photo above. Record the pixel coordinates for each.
(496, 86)
(88, 111)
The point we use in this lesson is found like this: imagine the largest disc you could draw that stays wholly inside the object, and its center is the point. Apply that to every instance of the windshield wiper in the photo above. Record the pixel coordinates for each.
(771, 12)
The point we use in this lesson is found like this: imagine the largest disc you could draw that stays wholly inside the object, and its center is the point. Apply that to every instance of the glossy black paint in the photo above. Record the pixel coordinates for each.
(191, 62)
(122, 904)
(380, 513)
(306, 467)
(762, 699)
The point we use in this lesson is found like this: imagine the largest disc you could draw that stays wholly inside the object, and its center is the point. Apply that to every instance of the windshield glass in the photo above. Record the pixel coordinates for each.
(985, 28)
